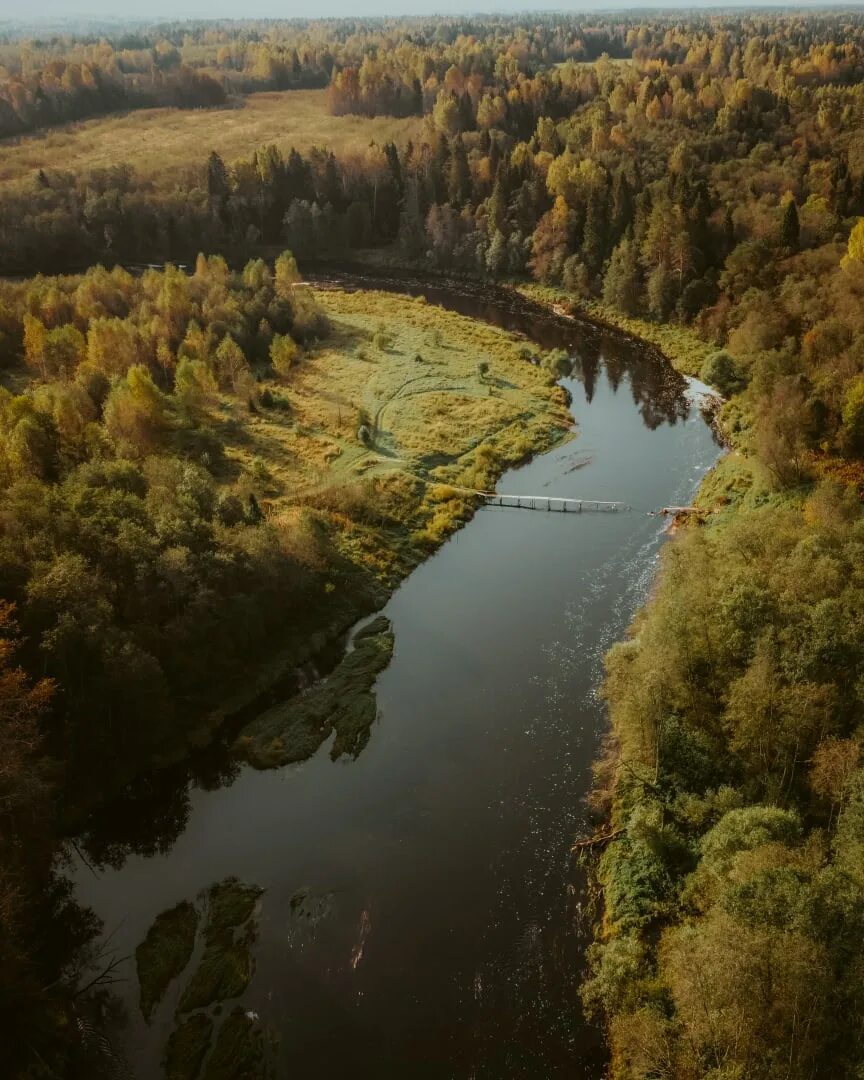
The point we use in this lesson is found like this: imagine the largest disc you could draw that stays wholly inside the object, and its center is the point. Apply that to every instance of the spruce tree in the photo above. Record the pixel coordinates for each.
(790, 228)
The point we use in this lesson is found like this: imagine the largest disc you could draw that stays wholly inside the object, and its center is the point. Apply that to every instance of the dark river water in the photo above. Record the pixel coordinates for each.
(441, 933)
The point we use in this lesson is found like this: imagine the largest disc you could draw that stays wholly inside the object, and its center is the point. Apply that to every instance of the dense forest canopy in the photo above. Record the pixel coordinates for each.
(700, 171)
(394, 66)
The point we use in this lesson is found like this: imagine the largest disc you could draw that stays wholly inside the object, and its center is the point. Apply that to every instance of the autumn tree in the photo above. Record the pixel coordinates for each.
(136, 414)
(283, 354)
(231, 363)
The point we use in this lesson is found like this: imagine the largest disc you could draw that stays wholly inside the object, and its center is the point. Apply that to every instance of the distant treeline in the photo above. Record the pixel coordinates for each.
(705, 171)
(399, 67)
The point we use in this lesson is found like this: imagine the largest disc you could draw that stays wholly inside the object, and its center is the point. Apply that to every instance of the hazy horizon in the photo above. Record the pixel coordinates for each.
(10, 10)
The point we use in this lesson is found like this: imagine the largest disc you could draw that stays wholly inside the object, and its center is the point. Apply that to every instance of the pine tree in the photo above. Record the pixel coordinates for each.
(621, 216)
(790, 228)
(728, 230)
(459, 178)
(622, 285)
(497, 204)
(594, 236)
(218, 187)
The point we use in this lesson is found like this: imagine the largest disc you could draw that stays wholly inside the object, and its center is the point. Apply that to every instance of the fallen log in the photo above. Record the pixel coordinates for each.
(597, 841)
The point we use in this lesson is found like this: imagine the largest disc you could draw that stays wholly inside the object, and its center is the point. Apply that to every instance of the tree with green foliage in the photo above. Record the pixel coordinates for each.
(194, 386)
(283, 354)
(722, 372)
(137, 413)
(852, 428)
(855, 247)
(231, 363)
(622, 284)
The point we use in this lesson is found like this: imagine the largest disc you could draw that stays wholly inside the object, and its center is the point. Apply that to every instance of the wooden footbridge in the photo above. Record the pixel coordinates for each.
(548, 503)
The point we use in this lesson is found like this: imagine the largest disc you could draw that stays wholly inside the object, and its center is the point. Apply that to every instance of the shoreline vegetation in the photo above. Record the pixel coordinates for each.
(678, 345)
(354, 455)
(192, 461)
(226, 455)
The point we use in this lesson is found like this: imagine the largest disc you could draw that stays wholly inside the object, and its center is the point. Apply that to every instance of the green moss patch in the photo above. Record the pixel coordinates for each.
(231, 905)
(226, 966)
(344, 702)
(164, 953)
(224, 972)
(187, 1046)
(239, 1050)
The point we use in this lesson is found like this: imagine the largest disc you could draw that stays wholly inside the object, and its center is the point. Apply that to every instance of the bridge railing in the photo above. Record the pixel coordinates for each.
(555, 503)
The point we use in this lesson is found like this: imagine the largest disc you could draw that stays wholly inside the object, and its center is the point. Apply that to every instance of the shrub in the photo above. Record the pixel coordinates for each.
(722, 372)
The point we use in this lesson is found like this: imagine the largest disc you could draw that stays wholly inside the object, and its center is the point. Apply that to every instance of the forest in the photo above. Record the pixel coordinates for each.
(703, 173)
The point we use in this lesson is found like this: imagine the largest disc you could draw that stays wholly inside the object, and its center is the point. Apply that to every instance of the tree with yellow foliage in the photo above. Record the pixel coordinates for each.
(855, 249)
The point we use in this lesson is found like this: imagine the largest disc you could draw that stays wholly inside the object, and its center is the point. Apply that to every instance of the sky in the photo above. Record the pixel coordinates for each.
(179, 9)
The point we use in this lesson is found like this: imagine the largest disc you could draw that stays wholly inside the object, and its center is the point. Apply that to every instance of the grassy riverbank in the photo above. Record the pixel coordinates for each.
(683, 348)
(679, 344)
(386, 430)
(270, 489)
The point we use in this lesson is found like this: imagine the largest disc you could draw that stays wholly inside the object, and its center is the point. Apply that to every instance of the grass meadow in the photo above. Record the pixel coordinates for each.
(404, 394)
(159, 142)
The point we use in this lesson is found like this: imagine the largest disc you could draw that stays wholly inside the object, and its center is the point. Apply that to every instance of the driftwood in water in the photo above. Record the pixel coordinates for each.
(597, 841)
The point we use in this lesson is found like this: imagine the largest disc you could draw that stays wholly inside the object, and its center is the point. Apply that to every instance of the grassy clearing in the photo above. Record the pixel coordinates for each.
(160, 141)
(681, 346)
(403, 406)
(431, 385)
(164, 953)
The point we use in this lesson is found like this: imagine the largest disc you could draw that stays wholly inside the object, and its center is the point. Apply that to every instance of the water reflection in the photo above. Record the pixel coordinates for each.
(658, 390)
(154, 810)
(441, 941)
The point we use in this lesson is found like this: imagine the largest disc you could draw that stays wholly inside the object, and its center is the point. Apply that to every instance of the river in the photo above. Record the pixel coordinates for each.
(437, 932)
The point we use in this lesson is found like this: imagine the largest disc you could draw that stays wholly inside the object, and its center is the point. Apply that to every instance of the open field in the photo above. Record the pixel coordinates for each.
(442, 398)
(157, 141)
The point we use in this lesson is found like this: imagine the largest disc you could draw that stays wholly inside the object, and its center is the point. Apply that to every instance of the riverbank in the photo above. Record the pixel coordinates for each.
(441, 846)
(365, 466)
(734, 739)
(679, 345)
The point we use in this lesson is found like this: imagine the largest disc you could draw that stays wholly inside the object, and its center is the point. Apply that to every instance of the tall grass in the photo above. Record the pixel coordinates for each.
(160, 142)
